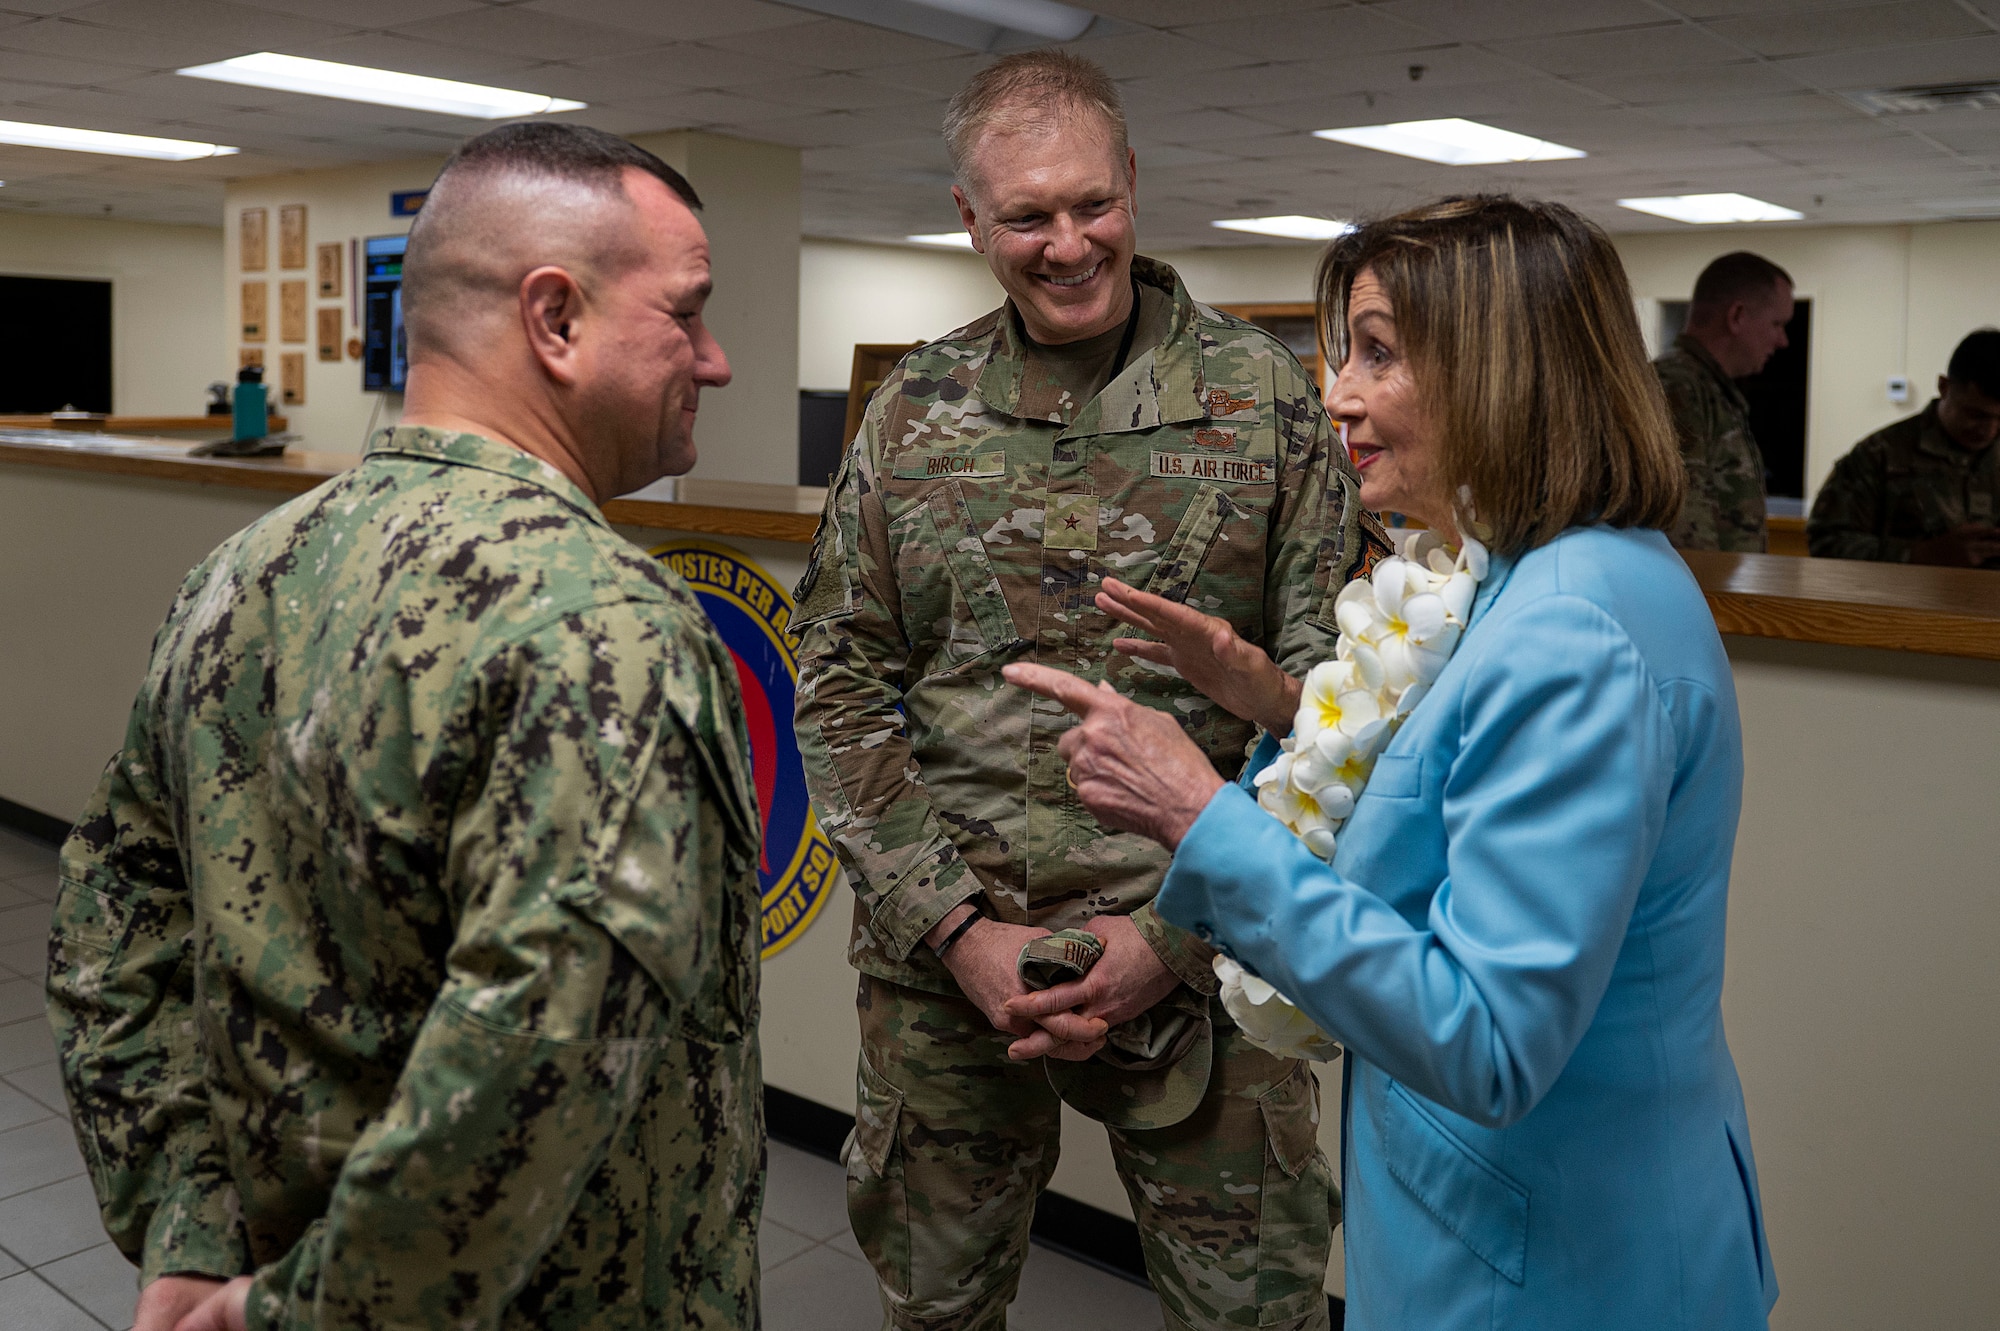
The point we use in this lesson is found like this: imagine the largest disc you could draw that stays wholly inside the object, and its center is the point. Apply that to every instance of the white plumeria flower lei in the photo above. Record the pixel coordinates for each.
(1397, 630)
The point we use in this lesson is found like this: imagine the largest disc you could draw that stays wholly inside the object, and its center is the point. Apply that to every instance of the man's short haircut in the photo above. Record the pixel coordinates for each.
(535, 150)
(1977, 362)
(1517, 322)
(1031, 88)
(1739, 276)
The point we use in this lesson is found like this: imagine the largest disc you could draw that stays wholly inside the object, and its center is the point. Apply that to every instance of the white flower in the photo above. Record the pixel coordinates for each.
(1279, 795)
(1337, 697)
(1268, 1019)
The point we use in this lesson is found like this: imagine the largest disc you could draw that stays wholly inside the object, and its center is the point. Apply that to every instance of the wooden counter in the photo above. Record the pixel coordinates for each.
(1897, 607)
(295, 472)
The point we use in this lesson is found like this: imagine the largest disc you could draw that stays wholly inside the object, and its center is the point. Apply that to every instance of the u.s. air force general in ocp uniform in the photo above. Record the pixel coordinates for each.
(969, 527)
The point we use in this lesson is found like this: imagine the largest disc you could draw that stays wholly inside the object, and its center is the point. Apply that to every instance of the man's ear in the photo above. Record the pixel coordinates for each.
(1944, 384)
(551, 307)
(1132, 181)
(968, 218)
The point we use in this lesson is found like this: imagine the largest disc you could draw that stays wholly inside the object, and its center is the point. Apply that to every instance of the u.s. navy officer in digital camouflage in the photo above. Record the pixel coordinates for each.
(405, 964)
(1101, 423)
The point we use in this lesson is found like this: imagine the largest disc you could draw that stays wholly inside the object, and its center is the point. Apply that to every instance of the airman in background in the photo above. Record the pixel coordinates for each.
(1925, 490)
(405, 963)
(1099, 424)
(1735, 322)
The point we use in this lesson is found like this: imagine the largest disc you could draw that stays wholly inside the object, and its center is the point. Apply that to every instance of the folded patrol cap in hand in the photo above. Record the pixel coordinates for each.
(1153, 1069)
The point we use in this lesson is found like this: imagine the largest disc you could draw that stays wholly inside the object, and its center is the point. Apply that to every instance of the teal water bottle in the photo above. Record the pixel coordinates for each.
(248, 407)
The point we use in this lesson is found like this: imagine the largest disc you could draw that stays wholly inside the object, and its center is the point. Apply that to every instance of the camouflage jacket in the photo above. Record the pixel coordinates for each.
(967, 528)
(407, 954)
(1905, 483)
(1724, 509)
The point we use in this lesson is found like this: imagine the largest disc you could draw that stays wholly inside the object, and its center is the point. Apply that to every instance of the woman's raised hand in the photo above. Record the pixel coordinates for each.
(1207, 652)
(1134, 768)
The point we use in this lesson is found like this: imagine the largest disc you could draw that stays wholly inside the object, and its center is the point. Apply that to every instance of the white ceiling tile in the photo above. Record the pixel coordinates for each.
(1333, 33)
(1498, 20)
(527, 33)
(596, 84)
(1669, 46)
(35, 67)
(208, 21)
(711, 108)
(1885, 66)
(1747, 78)
(840, 92)
(1247, 85)
(675, 20)
(1144, 54)
(1186, 13)
(833, 44)
(1745, 112)
(362, 13)
(1847, 29)
(121, 46)
(701, 66)
(941, 78)
(406, 55)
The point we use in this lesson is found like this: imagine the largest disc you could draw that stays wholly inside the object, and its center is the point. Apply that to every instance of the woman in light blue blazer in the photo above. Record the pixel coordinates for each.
(1520, 936)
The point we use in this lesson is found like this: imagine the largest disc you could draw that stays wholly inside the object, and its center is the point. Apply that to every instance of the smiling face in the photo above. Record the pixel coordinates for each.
(643, 373)
(1051, 208)
(1390, 434)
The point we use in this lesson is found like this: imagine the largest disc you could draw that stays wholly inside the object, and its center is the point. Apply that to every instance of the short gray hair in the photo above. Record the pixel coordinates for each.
(1030, 88)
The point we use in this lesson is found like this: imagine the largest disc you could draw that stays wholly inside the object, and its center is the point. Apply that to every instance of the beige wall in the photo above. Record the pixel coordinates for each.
(166, 290)
(851, 293)
(748, 431)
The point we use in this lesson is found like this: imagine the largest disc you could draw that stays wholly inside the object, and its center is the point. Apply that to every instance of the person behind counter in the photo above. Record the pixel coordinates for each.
(1925, 490)
(404, 968)
(1735, 324)
(1520, 935)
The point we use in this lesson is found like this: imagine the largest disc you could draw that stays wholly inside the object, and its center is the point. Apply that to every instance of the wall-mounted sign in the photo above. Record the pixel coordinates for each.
(750, 610)
(292, 236)
(406, 202)
(329, 268)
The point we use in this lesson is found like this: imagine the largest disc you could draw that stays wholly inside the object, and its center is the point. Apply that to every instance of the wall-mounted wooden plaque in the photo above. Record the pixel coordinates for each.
(292, 236)
(292, 311)
(256, 310)
(329, 332)
(292, 378)
(248, 356)
(251, 239)
(329, 270)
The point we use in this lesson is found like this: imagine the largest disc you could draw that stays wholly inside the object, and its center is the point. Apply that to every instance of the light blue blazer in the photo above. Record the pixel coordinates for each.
(1520, 942)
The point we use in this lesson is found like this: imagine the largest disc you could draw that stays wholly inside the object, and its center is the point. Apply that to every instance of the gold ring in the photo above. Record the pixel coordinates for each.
(1068, 779)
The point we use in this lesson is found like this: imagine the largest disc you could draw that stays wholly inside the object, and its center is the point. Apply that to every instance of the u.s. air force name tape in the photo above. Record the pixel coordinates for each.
(1214, 467)
(751, 610)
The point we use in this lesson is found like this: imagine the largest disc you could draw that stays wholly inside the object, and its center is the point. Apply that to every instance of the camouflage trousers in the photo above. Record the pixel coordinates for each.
(953, 1142)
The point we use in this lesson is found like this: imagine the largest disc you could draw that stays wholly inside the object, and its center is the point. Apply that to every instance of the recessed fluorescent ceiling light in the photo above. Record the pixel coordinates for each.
(1453, 142)
(979, 25)
(383, 87)
(1706, 208)
(116, 145)
(945, 240)
(1291, 226)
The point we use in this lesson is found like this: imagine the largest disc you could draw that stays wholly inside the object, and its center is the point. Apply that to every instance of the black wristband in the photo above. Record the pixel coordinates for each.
(963, 925)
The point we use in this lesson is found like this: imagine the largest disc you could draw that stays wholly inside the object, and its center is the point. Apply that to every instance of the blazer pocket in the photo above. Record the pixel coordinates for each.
(1486, 1210)
(1397, 776)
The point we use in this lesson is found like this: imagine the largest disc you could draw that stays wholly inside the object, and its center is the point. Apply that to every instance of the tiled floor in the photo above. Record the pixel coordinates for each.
(57, 1272)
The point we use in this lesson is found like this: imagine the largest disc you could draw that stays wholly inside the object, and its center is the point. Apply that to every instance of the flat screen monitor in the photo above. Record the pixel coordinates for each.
(385, 355)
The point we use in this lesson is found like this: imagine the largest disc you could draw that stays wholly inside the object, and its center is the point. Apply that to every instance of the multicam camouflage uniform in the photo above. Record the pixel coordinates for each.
(407, 955)
(968, 527)
(1906, 483)
(1724, 509)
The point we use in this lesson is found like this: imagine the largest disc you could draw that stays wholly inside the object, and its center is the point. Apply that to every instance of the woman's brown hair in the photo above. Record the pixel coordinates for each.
(1522, 340)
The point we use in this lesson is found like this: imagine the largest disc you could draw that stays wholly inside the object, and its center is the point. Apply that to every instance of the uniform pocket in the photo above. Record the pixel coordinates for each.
(1297, 1208)
(877, 1198)
(1174, 576)
(952, 604)
(1486, 1210)
(1397, 776)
